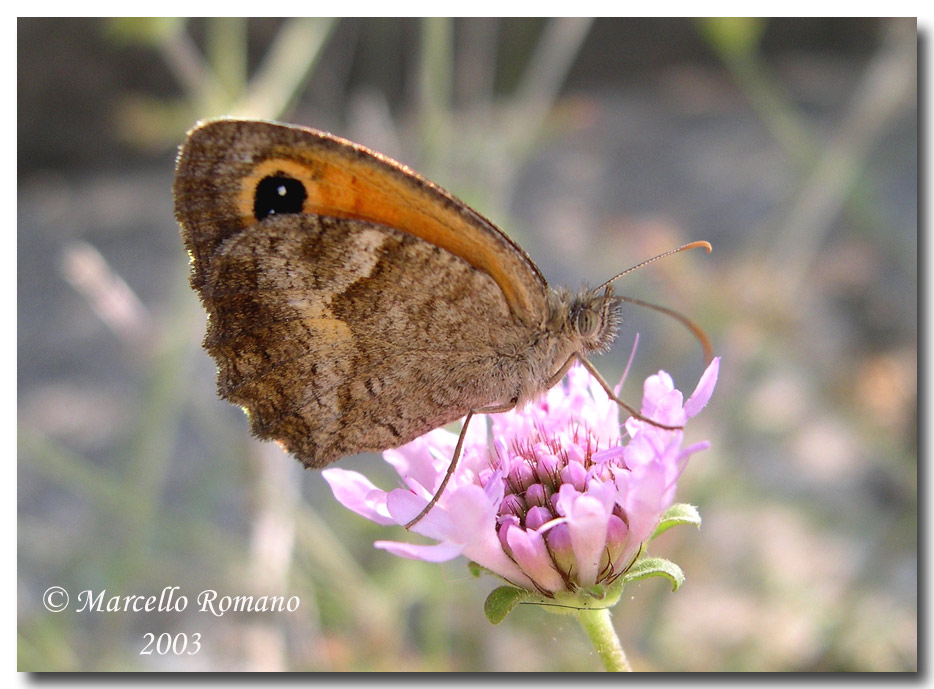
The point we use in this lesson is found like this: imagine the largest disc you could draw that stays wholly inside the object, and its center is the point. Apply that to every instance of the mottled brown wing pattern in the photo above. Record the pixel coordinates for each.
(309, 340)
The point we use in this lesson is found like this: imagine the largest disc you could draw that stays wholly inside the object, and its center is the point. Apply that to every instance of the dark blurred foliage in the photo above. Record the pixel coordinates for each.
(73, 75)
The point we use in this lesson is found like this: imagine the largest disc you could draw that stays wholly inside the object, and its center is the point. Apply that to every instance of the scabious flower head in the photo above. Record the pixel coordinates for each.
(554, 498)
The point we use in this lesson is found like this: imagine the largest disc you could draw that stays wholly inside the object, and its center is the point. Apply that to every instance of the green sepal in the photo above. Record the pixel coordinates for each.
(656, 567)
(597, 591)
(477, 570)
(680, 513)
(502, 600)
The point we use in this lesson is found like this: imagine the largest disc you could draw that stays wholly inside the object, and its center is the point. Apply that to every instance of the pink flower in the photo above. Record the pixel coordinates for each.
(556, 501)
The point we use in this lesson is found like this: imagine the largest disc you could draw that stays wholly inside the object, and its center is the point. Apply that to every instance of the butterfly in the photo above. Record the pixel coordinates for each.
(353, 305)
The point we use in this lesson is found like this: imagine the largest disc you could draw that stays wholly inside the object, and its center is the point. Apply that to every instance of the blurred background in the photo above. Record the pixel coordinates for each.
(789, 144)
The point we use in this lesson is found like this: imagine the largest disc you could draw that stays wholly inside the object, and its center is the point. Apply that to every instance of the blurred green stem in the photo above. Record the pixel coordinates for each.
(830, 171)
(887, 87)
(151, 450)
(374, 613)
(226, 46)
(204, 90)
(435, 77)
(69, 470)
(542, 80)
(285, 68)
(507, 145)
(599, 629)
(736, 41)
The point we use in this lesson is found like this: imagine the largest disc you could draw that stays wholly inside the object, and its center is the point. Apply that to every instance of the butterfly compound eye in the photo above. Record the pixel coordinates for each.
(587, 322)
(278, 194)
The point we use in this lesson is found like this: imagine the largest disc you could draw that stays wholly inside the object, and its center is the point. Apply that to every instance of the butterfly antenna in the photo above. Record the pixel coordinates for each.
(693, 245)
(695, 329)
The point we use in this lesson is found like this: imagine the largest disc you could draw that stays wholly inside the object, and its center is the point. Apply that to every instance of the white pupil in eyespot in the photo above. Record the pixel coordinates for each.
(281, 190)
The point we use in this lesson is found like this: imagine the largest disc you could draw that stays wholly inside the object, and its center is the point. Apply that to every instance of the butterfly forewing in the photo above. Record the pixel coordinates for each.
(336, 333)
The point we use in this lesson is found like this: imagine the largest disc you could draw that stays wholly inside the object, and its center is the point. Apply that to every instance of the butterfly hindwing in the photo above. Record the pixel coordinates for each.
(310, 345)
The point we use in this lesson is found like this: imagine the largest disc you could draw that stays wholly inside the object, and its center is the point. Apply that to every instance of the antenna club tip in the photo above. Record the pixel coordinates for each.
(700, 244)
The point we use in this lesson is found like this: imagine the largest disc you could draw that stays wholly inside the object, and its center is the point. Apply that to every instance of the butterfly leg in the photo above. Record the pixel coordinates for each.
(493, 409)
(447, 476)
(556, 378)
(609, 391)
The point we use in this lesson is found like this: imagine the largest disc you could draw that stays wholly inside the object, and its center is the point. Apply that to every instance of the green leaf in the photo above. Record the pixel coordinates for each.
(678, 514)
(655, 567)
(501, 601)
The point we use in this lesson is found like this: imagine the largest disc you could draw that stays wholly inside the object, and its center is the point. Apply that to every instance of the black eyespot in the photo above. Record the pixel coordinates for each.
(278, 194)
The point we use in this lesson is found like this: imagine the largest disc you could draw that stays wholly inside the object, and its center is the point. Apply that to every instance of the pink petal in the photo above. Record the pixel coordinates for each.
(603, 491)
(587, 521)
(475, 512)
(654, 388)
(487, 552)
(442, 552)
(471, 534)
(356, 492)
(696, 447)
(610, 454)
(588, 538)
(417, 462)
(632, 356)
(644, 494)
(528, 548)
(704, 389)
(404, 506)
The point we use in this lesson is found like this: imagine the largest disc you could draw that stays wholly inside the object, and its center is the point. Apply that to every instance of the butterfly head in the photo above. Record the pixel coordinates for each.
(589, 318)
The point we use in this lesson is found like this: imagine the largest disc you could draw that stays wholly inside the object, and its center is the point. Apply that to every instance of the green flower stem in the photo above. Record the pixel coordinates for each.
(600, 631)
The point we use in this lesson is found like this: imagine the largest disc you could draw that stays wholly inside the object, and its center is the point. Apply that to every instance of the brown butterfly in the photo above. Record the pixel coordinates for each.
(353, 305)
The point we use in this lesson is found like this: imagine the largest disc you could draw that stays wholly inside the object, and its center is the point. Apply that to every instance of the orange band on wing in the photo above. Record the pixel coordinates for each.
(346, 187)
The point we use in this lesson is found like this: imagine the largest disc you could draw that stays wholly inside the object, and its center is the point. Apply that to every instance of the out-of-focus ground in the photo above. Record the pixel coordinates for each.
(791, 145)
